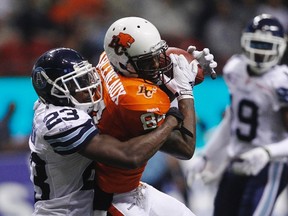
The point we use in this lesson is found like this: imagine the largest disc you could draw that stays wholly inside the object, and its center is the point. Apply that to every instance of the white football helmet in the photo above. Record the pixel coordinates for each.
(263, 42)
(135, 49)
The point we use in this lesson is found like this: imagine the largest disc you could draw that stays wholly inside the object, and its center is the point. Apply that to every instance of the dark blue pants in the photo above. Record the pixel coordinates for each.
(250, 195)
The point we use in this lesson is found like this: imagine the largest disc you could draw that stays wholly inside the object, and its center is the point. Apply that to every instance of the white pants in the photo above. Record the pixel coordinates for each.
(147, 201)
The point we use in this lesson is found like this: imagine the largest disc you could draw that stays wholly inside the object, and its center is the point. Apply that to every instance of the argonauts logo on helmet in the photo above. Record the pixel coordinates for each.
(39, 81)
(121, 42)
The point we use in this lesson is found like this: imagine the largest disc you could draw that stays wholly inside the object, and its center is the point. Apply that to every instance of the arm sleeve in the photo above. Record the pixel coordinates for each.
(72, 140)
(220, 138)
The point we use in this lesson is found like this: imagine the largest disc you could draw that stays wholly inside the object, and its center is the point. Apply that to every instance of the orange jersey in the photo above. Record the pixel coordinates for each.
(132, 108)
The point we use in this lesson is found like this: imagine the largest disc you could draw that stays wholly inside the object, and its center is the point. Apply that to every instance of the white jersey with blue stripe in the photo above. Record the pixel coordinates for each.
(63, 179)
(255, 103)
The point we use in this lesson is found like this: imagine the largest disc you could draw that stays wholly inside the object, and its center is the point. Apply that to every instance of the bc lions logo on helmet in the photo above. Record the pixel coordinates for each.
(121, 42)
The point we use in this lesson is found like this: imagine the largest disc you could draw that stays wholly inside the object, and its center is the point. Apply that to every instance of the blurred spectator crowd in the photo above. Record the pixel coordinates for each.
(30, 27)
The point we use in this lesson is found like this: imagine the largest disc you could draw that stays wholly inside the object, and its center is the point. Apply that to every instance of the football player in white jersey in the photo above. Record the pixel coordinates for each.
(254, 130)
(64, 141)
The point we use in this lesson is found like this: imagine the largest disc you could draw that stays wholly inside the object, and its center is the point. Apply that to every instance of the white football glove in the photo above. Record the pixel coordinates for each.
(205, 59)
(184, 77)
(195, 169)
(251, 162)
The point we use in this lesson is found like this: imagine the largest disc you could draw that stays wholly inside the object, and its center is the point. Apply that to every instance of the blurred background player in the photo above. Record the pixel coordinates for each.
(8, 143)
(5, 135)
(133, 65)
(253, 133)
(64, 140)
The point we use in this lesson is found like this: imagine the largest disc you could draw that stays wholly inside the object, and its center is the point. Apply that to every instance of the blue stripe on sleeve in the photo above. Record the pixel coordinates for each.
(72, 140)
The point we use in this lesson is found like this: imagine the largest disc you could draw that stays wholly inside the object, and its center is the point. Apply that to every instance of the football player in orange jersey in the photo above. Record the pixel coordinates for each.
(132, 68)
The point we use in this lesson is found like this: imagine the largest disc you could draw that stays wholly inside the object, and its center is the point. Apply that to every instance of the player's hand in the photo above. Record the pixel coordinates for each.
(205, 59)
(251, 162)
(196, 168)
(184, 77)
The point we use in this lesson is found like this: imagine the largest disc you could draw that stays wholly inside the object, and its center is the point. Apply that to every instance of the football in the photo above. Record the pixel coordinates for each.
(200, 75)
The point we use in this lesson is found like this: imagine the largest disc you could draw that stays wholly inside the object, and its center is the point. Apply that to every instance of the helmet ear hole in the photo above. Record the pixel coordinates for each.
(122, 66)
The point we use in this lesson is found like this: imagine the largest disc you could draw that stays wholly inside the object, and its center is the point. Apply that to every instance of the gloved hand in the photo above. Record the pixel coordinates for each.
(205, 59)
(251, 162)
(184, 77)
(197, 167)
